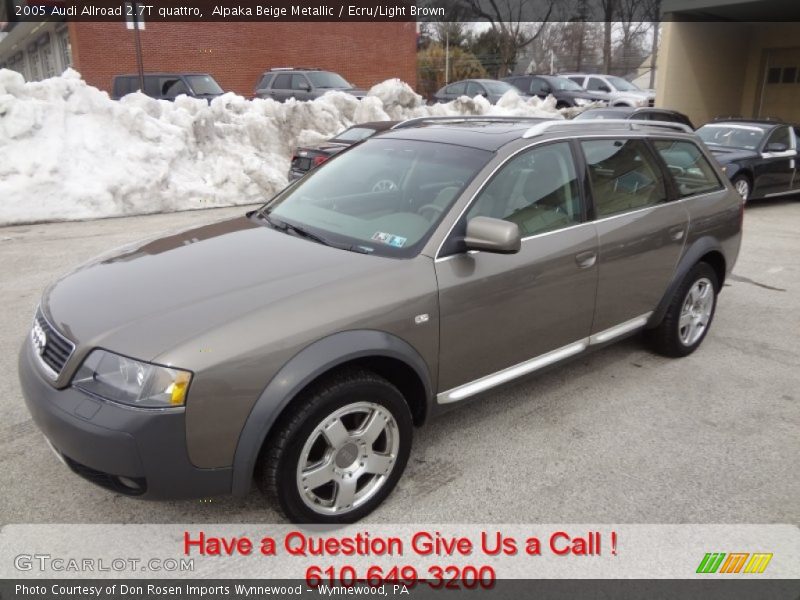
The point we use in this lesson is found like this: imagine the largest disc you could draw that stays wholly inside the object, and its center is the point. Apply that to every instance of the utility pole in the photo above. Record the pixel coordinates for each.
(137, 40)
(446, 57)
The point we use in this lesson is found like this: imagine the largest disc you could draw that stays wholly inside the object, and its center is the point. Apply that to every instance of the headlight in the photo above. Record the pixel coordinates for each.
(582, 101)
(132, 382)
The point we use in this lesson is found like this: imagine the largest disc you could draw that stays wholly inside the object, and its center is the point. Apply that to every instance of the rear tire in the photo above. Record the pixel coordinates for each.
(688, 315)
(743, 186)
(340, 450)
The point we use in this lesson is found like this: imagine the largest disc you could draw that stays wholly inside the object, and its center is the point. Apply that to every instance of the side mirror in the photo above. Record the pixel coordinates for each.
(305, 87)
(776, 147)
(605, 88)
(493, 235)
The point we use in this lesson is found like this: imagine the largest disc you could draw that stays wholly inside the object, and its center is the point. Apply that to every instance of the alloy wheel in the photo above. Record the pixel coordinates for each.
(696, 311)
(347, 458)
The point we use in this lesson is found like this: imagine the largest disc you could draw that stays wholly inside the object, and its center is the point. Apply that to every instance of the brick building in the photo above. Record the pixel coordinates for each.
(234, 53)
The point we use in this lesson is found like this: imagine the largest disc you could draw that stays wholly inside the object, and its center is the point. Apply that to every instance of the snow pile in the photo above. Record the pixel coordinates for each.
(67, 151)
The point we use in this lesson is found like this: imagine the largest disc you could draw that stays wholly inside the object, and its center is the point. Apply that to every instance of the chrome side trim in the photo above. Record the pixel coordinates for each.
(618, 330)
(490, 381)
(543, 360)
(786, 193)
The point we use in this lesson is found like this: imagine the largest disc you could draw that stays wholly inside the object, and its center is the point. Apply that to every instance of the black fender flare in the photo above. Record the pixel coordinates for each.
(308, 364)
(698, 249)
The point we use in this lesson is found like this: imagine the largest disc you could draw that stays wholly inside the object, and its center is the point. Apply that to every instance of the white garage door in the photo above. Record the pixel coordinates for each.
(780, 96)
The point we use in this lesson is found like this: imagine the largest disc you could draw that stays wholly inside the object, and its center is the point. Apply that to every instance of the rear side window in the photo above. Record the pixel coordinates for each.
(457, 88)
(473, 89)
(624, 175)
(537, 190)
(692, 172)
(282, 82)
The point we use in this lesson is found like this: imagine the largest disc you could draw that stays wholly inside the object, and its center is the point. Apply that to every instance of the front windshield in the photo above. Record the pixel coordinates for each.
(562, 83)
(747, 137)
(384, 196)
(325, 79)
(204, 85)
(498, 87)
(623, 85)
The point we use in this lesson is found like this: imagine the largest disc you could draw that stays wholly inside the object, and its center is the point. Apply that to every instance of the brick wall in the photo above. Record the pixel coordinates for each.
(236, 54)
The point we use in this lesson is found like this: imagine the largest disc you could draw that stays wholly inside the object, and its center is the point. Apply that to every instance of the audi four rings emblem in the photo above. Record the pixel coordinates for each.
(39, 338)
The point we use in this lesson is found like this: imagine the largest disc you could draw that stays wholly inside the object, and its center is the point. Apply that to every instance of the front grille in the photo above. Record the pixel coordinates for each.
(56, 350)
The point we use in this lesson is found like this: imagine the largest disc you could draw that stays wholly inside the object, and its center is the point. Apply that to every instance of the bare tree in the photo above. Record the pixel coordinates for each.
(608, 9)
(653, 11)
(511, 22)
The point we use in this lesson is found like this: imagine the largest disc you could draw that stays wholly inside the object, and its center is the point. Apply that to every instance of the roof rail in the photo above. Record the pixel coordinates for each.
(466, 119)
(632, 124)
(295, 69)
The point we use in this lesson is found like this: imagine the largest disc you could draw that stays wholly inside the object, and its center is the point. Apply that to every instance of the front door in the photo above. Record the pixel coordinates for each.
(640, 233)
(504, 315)
(775, 172)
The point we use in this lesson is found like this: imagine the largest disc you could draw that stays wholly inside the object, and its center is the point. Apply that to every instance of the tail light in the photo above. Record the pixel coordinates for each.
(318, 160)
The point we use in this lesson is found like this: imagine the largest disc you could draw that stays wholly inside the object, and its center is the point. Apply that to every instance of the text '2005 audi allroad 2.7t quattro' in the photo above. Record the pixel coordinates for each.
(357, 313)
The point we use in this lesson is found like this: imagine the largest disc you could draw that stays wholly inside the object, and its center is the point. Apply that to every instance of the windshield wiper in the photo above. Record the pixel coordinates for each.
(303, 232)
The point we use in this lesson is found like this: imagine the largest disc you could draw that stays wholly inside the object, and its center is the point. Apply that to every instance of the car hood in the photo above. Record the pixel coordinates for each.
(146, 298)
(728, 155)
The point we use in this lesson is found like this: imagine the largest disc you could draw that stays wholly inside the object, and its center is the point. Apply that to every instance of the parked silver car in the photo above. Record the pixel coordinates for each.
(616, 90)
(298, 345)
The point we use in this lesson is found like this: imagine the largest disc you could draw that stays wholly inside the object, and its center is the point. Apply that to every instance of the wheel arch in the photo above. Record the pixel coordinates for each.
(705, 249)
(385, 354)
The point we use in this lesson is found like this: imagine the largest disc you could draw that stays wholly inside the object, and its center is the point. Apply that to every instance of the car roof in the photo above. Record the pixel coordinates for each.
(485, 135)
(492, 133)
(165, 74)
(739, 120)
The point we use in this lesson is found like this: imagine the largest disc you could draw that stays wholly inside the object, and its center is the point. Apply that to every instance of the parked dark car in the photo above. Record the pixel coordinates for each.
(167, 86)
(490, 89)
(567, 93)
(299, 344)
(306, 158)
(759, 157)
(283, 83)
(639, 114)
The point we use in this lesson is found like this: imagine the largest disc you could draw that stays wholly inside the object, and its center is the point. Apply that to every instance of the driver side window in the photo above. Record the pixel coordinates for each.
(782, 135)
(537, 190)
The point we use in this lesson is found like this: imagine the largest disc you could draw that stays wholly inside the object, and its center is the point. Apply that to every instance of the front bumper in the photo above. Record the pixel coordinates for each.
(132, 451)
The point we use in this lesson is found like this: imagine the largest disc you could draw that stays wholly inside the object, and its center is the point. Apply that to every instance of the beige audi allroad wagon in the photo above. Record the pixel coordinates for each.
(299, 345)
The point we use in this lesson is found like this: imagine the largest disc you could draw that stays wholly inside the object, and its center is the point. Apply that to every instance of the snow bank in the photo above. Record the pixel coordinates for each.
(67, 151)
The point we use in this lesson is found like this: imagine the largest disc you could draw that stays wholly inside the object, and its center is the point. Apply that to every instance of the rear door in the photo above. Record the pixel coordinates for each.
(641, 232)
(505, 315)
(281, 87)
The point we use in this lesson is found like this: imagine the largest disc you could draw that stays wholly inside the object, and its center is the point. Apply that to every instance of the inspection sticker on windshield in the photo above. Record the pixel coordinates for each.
(388, 238)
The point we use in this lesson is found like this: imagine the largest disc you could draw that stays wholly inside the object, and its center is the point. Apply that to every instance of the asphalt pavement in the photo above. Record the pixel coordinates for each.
(618, 436)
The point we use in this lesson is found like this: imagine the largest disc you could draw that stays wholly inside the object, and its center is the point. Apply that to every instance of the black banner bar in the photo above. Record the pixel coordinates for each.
(714, 588)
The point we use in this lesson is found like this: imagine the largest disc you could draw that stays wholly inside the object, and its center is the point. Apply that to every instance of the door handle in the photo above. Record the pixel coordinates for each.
(676, 233)
(586, 260)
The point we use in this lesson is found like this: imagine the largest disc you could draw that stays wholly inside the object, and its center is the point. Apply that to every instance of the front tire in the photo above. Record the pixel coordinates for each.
(339, 453)
(689, 314)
